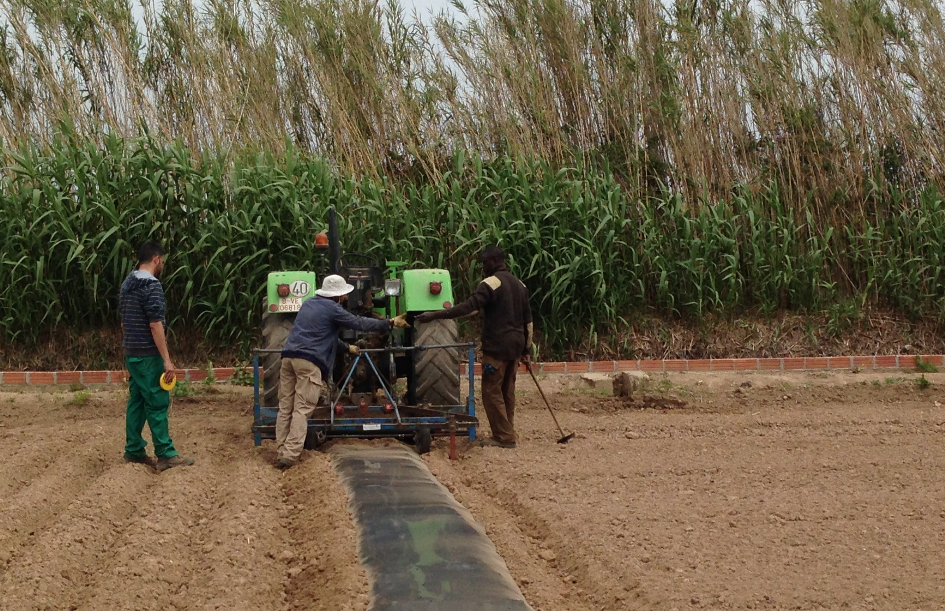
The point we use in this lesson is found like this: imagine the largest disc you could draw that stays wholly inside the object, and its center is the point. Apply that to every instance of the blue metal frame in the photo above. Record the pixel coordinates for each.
(408, 420)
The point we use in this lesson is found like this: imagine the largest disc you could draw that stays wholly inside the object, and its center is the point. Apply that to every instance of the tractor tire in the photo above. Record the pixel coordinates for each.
(275, 330)
(436, 371)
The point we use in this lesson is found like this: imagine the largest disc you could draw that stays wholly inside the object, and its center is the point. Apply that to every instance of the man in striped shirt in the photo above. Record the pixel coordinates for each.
(143, 325)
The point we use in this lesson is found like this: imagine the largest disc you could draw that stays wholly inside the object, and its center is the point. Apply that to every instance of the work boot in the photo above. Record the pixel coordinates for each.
(284, 463)
(141, 460)
(493, 442)
(163, 464)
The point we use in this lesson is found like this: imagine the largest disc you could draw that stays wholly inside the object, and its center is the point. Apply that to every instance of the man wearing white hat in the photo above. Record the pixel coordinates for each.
(308, 358)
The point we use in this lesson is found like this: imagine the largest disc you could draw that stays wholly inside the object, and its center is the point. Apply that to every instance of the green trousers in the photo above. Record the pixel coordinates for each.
(147, 402)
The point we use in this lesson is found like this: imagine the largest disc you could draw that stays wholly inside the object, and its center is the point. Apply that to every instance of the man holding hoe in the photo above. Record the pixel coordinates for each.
(506, 339)
(143, 326)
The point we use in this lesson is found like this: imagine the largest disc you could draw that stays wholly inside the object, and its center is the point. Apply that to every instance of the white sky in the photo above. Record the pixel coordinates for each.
(426, 8)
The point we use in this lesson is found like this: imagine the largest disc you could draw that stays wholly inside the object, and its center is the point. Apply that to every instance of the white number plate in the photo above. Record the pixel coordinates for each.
(290, 304)
(371, 427)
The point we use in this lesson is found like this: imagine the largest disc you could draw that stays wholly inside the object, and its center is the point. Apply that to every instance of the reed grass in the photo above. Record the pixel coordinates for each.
(591, 251)
(825, 98)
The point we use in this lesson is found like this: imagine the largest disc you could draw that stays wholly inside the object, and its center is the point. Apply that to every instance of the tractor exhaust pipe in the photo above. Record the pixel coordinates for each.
(334, 247)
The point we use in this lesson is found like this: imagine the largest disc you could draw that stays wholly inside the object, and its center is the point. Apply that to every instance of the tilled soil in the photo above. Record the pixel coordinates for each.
(79, 529)
(799, 491)
(802, 491)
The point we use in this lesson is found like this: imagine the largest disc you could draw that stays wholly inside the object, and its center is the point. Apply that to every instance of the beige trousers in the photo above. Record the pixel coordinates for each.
(300, 384)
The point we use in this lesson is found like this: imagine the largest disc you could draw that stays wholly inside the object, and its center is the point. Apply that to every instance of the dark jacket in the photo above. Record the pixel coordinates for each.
(140, 303)
(507, 317)
(314, 336)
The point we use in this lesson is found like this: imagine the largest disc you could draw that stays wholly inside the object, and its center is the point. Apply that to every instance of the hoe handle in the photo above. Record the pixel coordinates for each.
(528, 366)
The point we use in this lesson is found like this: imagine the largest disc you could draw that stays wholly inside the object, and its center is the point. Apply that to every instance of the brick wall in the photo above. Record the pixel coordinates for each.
(898, 361)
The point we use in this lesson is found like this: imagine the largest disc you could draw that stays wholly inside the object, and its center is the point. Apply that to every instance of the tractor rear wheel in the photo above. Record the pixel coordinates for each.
(436, 371)
(275, 330)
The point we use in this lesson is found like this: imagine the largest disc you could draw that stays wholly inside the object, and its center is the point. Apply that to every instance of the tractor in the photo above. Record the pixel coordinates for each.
(405, 384)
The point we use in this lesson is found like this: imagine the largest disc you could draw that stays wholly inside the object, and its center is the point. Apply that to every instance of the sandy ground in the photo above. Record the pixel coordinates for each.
(79, 529)
(800, 491)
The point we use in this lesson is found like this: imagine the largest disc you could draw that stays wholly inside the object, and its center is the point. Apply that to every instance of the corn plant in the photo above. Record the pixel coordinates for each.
(591, 251)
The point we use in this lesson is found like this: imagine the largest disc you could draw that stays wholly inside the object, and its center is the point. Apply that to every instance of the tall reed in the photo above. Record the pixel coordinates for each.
(590, 250)
(822, 98)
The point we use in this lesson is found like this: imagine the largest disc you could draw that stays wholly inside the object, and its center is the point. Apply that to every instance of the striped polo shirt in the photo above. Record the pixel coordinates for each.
(141, 302)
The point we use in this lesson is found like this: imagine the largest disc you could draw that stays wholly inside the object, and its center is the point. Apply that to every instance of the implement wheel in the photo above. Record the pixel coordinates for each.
(437, 370)
(275, 330)
(423, 440)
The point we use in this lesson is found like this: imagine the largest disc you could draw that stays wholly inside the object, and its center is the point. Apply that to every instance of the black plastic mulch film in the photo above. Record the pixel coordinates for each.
(422, 550)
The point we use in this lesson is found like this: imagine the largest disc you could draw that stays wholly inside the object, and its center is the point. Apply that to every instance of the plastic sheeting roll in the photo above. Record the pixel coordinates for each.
(422, 550)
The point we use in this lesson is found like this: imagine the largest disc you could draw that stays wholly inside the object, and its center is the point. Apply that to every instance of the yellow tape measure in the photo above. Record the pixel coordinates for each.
(168, 381)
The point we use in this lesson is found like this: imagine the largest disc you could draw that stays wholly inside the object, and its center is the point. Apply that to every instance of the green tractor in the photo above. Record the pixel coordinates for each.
(432, 376)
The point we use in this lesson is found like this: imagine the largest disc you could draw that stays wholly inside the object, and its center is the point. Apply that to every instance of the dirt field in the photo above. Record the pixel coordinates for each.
(804, 491)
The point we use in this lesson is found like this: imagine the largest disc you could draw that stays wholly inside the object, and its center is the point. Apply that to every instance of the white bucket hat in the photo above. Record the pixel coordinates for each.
(334, 286)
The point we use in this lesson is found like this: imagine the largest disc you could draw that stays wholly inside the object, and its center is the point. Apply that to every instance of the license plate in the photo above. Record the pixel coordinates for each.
(290, 304)
(371, 427)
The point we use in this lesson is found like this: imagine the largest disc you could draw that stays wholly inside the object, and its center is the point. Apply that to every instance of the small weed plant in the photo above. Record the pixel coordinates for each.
(242, 377)
(183, 389)
(81, 397)
(924, 366)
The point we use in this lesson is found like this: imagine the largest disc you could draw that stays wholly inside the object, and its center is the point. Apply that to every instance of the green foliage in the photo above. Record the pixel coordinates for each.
(242, 377)
(183, 389)
(923, 383)
(211, 379)
(924, 366)
(589, 251)
(80, 397)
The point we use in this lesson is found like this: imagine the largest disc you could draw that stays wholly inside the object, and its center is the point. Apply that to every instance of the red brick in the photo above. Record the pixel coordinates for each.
(628, 365)
(907, 361)
(462, 369)
(224, 373)
(69, 377)
(552, 367)
(578, 367)
(699, 364)
(793, 364)
(839, 362)
(195, 375)
(887, 361)
(118, 376)
(42, 378)
(676, 365)
(604, 366)
(815, 362)
(863, 361)
(14, 377)
(934, 359)
(769, 364)
(95, 377)
(651, 365)
(477, 369)
(746, 364)
(723, 365)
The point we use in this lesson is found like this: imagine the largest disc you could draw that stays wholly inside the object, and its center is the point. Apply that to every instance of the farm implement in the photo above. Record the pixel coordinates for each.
(404, 384)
